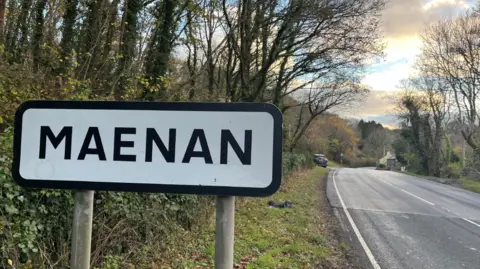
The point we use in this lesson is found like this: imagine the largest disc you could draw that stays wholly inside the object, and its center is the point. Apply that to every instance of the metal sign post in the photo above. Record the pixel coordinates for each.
(82, 230)
(224, 232)
(221, 149)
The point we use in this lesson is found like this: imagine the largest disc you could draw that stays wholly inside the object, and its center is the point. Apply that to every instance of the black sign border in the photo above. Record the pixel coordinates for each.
(141, 187)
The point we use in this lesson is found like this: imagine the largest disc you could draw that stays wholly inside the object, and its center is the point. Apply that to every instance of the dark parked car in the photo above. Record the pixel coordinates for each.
(320, 160)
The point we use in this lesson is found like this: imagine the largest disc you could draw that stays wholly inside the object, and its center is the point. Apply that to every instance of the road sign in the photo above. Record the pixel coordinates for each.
(196, 148)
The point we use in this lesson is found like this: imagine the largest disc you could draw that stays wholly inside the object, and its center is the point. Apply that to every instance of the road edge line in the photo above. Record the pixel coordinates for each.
(364, 245)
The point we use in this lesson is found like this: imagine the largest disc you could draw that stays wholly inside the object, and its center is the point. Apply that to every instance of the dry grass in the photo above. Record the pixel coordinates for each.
(299, 237)
(469, 184)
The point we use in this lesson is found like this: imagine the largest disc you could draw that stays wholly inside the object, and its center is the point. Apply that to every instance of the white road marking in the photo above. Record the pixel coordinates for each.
(409, 193)
(388, 182)
(391, 211)
(474, 223)
(355, 229)
(430, 203)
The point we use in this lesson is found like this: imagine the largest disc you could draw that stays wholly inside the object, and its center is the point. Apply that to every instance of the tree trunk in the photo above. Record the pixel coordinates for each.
(428, 145)
(209, 56)
(277, 91)
(106, 63)
(127, 44)
(245, 47)
(416, 123)
(38, 32)
(20, 28)
(9, 31)
(66, 45)
(299, 133)
(192, 56)
(91, 42)
(468, 136)
(160, 54)
(2, 19)
(211, 66)
(110, 30)
(24, 27)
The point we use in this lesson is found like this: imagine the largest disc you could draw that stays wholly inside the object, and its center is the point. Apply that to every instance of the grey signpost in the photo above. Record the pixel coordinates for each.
(82, 230)
(224, 232)
(221, 149)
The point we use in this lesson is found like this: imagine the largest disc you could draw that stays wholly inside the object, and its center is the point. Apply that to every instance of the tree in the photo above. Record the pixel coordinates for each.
(128, 39)
(2, 19)
(331, 135)
(286, 51)
(368, 127)
(377, 143)
(90, 45)
(320, 100)
(410, 109)
(17, 45)
(305, 56)
(192, 59)
(167, 14)
(111, 29)
(38, 32)
(425, 106)
(66, 44)
(451, 52)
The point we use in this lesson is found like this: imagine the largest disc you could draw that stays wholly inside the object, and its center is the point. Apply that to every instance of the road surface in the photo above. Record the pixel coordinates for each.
(401, 221)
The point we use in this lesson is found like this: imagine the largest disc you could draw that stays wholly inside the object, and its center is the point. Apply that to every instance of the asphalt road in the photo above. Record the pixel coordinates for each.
(407, 222)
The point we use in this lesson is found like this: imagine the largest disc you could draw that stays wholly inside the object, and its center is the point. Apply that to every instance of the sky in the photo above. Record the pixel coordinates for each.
(402, 22)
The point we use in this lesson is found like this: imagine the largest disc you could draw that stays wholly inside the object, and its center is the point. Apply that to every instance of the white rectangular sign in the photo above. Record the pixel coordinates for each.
(202, 148)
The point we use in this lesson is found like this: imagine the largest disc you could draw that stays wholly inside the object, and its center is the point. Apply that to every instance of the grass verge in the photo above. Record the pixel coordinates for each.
(469, 184)
(334, 164)
(463, 183)
(267, 237)
(410, 173)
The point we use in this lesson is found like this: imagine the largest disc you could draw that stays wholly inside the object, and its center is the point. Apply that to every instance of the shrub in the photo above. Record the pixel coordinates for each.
(293, 161)
(35, 225)
(355, 162)
(452, 170)
(129, 228)
(469, 184)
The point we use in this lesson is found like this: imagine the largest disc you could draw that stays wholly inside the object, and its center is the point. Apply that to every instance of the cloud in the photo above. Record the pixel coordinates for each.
(376, 106)
(407, 17)
(388, 121)
(439, 3)
(376, 103)
(387, 78)
(399, 60)
(400, 57)
(402, 22)
(402, 17)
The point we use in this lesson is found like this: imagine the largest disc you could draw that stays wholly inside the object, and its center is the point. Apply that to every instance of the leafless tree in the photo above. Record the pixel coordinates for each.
(273, 43)
(377, 143)
(276, 49)
(319, 99)
(451, 51)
